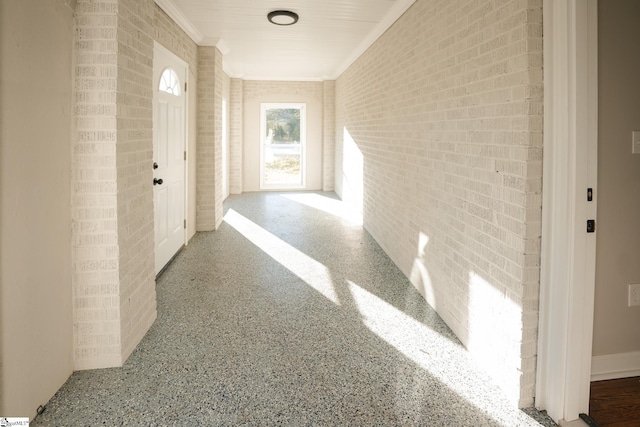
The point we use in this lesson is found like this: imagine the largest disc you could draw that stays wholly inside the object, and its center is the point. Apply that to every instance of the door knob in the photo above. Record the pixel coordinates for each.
(157, 181)
(155, 165)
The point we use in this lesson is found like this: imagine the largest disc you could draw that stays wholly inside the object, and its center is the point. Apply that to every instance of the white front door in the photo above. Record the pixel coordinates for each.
(169, 101)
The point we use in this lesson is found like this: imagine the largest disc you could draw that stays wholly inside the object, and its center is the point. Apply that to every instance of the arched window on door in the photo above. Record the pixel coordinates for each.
(169, 82)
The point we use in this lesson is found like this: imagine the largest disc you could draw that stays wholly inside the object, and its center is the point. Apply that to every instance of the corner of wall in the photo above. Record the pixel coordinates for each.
(114, 281)
(209, 140)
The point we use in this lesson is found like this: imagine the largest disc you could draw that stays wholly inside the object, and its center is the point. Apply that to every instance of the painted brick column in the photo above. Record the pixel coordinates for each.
(112, 203)
(134, 160)
(219, 78)
(96, 261)
(209, 149)
(328, 134)
(236, 109)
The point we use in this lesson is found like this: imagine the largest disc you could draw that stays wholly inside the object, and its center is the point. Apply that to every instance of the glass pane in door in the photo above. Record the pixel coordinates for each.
(283, 146)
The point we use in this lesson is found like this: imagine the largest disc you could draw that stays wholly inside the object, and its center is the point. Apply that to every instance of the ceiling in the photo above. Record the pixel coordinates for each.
(328, 37)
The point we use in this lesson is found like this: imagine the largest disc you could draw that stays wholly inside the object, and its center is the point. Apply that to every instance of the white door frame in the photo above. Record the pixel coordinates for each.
(160, 48)
(567, 277)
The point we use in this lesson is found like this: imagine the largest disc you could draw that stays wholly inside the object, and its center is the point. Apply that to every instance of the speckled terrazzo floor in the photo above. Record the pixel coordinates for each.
(288, 315)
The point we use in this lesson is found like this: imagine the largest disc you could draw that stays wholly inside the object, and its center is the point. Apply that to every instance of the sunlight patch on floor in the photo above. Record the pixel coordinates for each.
(329, 205)
(306, 268)
(425, 347)
(406, 334)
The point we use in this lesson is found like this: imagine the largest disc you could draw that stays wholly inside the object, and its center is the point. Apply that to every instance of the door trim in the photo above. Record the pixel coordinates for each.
(567, 276)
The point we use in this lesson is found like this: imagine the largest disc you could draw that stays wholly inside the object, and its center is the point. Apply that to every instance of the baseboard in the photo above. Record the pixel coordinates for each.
(613, 366)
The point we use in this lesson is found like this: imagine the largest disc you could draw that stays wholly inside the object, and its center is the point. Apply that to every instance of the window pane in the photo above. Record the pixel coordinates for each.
(169, 82)
(282, 151)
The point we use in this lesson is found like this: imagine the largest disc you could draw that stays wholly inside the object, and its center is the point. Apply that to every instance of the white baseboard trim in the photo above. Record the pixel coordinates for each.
(613, 366)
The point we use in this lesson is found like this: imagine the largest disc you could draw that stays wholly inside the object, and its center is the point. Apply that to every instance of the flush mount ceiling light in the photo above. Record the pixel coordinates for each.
(282, 17)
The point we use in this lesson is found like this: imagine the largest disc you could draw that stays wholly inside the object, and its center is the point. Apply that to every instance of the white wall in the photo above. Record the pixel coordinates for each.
(257, 92)
(36, 330)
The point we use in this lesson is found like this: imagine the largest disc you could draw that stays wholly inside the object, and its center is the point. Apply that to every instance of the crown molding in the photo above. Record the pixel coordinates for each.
(398, 9)
(183, 22)
(215, 42)
(282, 79)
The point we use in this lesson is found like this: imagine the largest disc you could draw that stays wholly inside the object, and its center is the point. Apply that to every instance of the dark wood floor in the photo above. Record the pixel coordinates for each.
(616, 403)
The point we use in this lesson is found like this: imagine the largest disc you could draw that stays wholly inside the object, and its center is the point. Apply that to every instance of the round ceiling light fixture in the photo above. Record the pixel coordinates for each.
(282, 17)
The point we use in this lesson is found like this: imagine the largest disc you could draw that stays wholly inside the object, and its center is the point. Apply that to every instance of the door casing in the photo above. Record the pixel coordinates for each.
(567, 277)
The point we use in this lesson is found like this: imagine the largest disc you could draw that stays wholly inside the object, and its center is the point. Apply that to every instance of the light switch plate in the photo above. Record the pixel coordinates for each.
(635, 147)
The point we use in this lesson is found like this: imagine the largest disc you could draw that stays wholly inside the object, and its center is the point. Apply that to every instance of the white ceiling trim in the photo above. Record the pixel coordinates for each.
(398, 9)
(272, 79)
(182, 21)
(217, 42)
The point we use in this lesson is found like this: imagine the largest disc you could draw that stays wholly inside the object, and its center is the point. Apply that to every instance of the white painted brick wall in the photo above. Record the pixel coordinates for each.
(134, 157)
(96, 264)
(205, 168)
(221, 89)
(235, 135)
(171, 36)
(263, 88)
(211, 80)
(328, 134)
(112, 205)
(446, 109)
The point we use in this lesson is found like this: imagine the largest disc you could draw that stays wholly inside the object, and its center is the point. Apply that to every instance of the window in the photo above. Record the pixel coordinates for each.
(283, 135)
(169, 82)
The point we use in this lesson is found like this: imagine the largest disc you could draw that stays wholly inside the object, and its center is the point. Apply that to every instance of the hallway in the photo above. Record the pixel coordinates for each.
(289, 314)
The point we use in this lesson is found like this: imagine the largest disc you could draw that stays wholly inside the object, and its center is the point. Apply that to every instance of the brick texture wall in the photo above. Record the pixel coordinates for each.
(134, 157)
(226, 125)
(222, 83)
(269, 88)
(328, 134)
(205, 166)
(446, 112)
(171, 36)
(96, 254)
(235, 135)
(211, 79)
